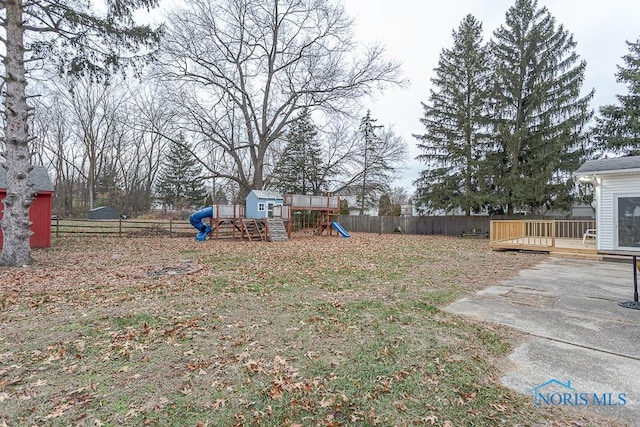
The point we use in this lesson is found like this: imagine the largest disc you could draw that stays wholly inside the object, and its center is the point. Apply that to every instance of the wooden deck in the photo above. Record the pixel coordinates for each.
(556, 237)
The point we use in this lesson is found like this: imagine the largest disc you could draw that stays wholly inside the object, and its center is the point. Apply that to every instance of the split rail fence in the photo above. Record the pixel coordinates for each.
(120, 227)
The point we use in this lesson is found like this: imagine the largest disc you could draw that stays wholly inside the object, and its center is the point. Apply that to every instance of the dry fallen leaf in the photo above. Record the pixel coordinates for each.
(326, 402)
(431, 419)
(219, 403)
(400, 405)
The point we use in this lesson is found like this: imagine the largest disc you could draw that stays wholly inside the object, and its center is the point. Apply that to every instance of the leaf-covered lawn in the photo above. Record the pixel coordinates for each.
(314, 331)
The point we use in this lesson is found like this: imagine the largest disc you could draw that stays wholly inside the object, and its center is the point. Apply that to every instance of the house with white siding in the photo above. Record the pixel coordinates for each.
(617, 197)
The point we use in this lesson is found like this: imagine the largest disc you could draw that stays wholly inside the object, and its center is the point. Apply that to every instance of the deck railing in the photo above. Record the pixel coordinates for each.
(304, 202)
(573, 229)
(228, 211)
(541, 233)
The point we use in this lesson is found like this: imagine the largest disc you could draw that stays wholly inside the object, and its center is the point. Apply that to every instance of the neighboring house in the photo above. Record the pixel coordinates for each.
(617, 197)
(354, 210)
(40, 209)
(407, 210)
(260, 203)
(577, 210)
(583, 211)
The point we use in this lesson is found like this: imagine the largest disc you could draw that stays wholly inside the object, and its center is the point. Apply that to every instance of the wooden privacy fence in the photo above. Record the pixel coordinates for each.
(440, 225)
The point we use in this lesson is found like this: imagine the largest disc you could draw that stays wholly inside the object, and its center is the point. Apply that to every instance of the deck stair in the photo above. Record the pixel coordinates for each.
(252, 229)
(276, 230)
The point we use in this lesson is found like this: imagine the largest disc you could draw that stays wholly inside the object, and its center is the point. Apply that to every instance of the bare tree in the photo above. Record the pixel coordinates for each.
(56, 148)
(249, 66)
(367, 169)
(105, 138)
(152, 118)
(95, 109)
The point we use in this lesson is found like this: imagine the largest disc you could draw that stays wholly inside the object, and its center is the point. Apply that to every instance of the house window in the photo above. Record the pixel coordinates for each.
(260, 207)
(629, 222)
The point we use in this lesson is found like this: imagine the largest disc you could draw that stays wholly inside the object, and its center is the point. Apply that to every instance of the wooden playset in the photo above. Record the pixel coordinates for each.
(269, 216)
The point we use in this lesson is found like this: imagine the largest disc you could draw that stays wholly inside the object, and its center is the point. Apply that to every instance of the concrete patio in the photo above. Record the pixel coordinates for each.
(578, 333)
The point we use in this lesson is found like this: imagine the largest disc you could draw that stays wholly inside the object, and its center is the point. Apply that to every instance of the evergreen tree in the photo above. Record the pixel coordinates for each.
(344, 207)
(538, 109)
(180, 185)
(455, 120)
(618, 126)
(386, 207)
(367, 188)
(301, 170)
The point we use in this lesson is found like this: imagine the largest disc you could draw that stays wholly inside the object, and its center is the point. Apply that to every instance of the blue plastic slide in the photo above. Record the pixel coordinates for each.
(340, 230)
(196, 220)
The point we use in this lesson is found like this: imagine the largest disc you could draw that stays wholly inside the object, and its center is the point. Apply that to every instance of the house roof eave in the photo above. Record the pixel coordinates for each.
(635, 171)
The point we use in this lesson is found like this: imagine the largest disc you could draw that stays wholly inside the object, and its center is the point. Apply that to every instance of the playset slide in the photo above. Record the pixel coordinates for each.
(340, 229)
(196, 220)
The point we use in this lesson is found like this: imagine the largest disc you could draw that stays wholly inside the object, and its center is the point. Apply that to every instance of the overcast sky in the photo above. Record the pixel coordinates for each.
(415, 31)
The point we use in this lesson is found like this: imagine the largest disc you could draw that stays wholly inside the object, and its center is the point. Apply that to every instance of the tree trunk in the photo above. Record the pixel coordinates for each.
(15, 221)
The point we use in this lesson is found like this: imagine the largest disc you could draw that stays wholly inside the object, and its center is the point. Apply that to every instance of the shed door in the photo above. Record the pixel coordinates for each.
(270, 210)
(628, 221)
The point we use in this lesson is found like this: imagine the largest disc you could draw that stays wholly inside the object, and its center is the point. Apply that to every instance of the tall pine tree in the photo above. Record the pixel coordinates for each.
(454, 144)
(301, 170)
(179, 185)
(540, 114)
(618, 126)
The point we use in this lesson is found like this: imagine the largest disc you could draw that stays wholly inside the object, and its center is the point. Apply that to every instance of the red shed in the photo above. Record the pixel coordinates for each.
(40, 210)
